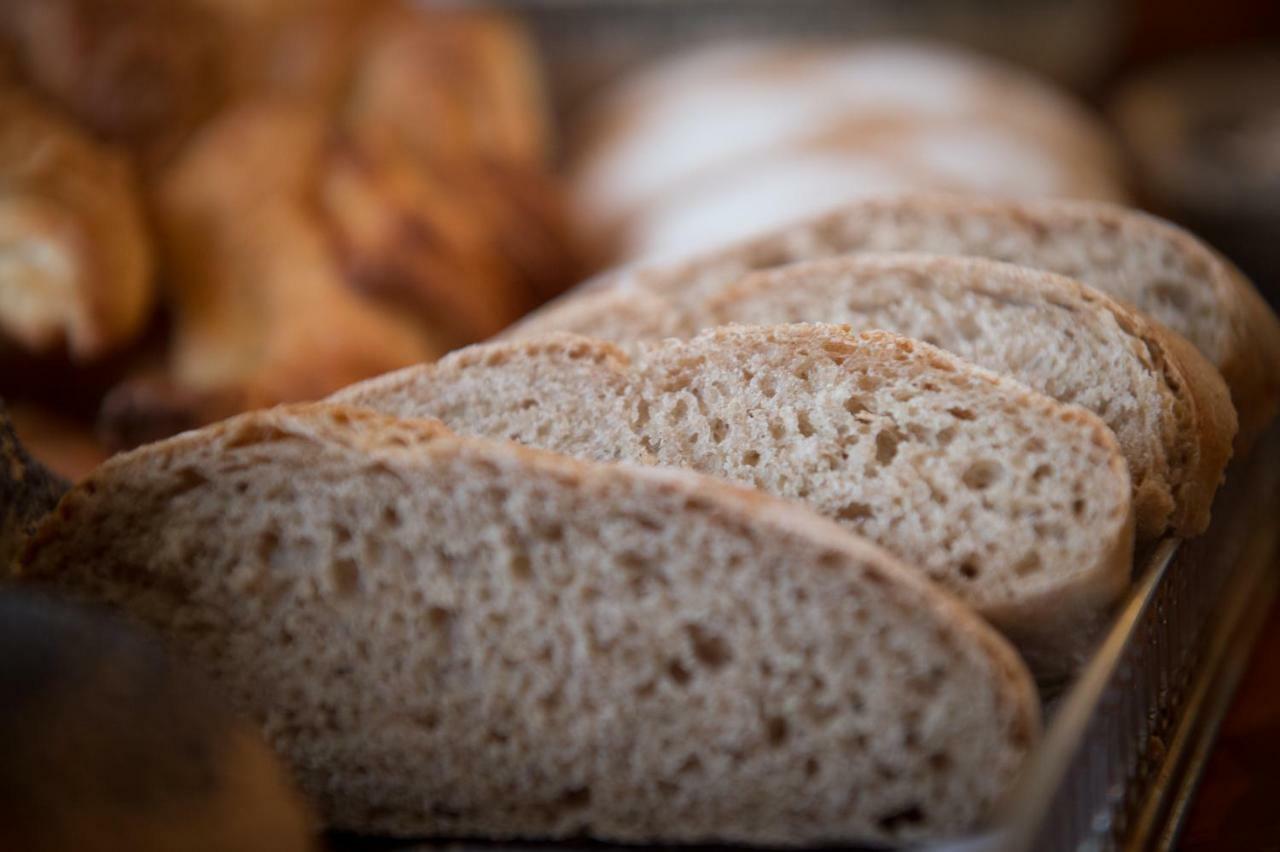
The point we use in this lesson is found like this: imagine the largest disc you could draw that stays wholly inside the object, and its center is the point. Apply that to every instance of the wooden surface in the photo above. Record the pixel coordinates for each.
(1238, 804)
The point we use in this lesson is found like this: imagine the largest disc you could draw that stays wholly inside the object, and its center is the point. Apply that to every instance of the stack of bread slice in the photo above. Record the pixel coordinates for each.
(716, 552)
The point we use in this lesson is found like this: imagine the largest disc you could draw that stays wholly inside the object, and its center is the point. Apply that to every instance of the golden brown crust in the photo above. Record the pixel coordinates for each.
(143, 73)
(1212, 418)
(263, 312)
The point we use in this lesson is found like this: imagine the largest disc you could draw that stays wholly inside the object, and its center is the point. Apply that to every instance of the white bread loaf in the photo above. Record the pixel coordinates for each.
(452, 636)
(1136, 258)
(725, 140)
(1016, 503)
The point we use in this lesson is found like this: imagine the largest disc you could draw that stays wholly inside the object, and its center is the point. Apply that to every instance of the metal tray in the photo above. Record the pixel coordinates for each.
(1127, 743)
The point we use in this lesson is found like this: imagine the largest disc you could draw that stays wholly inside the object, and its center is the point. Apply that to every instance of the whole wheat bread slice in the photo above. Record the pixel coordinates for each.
(1018, 504)
(1168, 407)
(454, 636)
(1139, 259)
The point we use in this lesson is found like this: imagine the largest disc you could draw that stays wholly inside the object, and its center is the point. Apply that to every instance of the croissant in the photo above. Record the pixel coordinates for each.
(75, 258)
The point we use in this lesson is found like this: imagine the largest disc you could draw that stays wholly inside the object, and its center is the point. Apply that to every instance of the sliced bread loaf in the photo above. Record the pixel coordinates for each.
(452, 636)
(1018, 504)
(1168, 407)
(1138, 259)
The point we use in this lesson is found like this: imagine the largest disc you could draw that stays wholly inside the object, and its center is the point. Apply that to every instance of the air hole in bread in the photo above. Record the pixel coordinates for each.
(1078, 506)
(1171, 293)
(252, 434)
(1028, 564)
(854, 511)
(521, 569)
(776, 430)
(968, 327)
(345, 575)
(838, 351)
(551, 532)
(341, 534)
(982, 474)
(268, 544)
(776, 730)
(439, 617)
(390, 517)
(751, 458)
(680, 410)
(854, 405)
(678, 673)
(969, 569)
(887, 444)
(892, 822)
(573, 799)
(1041, 472)
(642, 413)
(803, 424)
(960, 413)
(719, 430)
(692, 765)
(710, 650)
(189, 479)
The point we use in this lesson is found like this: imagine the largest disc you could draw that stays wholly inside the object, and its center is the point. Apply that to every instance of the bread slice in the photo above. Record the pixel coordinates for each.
(1141, 260)
(1168, 407)
(453, 636)
(1016, 503)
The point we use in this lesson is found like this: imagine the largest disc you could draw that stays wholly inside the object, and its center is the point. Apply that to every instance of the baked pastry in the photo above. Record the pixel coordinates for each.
(453, 636)
(262, 310)
(75, 258)
(329, 227)
(141, 73)
(1015, 503)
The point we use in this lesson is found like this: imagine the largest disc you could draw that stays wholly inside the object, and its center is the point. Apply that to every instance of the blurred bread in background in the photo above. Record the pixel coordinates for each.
(75, 257)
(1203, 132)
(728, 140)
(334, 189)
(143, 73)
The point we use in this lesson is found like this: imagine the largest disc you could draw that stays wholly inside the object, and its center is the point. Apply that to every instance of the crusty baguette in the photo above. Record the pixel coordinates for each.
(1139, 259)
(454, 636)
(1018, 504)
(1169, 408)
